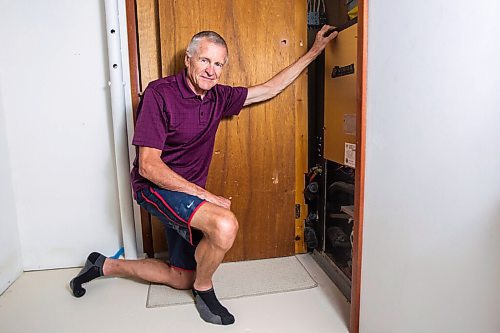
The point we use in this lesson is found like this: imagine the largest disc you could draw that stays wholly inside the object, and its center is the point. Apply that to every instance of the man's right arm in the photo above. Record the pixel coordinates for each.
(283, 79)
(155, 170)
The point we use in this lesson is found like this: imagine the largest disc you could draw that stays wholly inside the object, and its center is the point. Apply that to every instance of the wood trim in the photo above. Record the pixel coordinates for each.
(147, 234)
(148, 41)
(301, 126)
(130, 5)
(133, 54)
(359, 194)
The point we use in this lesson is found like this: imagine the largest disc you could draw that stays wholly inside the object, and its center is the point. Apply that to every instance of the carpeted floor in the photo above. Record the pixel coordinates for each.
(242, 279)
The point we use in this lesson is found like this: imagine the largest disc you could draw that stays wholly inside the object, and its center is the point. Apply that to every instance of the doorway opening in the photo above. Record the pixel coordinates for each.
(334, 182)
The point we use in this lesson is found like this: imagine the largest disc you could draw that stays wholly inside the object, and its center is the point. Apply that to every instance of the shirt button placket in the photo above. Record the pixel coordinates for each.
(203, 113)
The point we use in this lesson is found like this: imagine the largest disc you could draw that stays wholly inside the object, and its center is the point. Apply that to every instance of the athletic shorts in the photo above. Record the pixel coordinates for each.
(175, 210)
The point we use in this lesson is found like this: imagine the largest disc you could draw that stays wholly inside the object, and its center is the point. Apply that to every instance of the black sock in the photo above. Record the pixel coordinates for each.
(210, 309)
(91, 270)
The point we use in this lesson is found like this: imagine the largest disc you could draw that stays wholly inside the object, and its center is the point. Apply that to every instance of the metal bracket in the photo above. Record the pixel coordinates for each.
(297, 211)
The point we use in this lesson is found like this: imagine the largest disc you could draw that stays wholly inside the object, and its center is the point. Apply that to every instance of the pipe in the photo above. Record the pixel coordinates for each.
(118, 111)
(122, 12)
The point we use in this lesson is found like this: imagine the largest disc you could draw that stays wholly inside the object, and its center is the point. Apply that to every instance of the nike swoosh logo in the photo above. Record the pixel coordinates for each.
(191, 204)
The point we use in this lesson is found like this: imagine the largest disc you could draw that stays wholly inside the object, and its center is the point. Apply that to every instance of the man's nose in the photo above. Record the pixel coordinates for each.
(210, 70)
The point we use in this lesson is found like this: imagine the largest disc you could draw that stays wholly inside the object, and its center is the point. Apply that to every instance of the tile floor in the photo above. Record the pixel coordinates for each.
(41, 302)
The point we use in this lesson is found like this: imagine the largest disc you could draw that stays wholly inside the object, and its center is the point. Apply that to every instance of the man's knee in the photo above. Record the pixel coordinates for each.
(226, 229)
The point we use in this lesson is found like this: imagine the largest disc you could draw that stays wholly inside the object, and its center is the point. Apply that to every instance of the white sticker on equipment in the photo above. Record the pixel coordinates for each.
(350, 155)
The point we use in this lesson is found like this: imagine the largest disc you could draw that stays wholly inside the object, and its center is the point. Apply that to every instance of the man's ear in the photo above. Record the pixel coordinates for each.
(186, 59)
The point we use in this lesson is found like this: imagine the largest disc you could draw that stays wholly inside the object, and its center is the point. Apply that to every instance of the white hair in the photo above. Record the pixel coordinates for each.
(211, 36)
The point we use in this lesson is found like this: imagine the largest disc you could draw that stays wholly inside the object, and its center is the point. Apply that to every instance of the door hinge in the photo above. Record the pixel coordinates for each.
(297, 211)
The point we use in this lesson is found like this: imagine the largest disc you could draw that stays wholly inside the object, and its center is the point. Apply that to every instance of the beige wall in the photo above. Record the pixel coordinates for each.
(10, 254)
(431, 253)
(55, 101)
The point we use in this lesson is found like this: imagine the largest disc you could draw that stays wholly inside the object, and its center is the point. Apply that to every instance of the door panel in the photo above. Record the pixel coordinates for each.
(254, 160)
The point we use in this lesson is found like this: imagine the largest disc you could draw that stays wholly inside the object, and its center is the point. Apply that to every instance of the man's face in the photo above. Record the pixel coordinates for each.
(204, 68)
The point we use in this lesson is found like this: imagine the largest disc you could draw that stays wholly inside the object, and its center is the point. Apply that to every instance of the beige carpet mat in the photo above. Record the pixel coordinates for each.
(241, 279)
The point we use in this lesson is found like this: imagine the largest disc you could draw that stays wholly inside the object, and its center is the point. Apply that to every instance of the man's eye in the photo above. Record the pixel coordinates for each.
(218, 64)
(203, 61)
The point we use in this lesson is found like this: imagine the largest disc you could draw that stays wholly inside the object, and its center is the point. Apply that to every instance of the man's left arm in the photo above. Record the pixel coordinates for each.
(284, 78)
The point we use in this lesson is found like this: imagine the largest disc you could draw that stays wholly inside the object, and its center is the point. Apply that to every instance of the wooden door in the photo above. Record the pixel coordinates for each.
(260, 156)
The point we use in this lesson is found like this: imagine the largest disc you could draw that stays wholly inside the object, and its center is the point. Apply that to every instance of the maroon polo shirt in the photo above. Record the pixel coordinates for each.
(172, 118)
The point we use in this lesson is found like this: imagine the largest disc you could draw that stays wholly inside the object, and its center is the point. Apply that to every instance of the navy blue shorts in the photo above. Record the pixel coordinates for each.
(175, 210)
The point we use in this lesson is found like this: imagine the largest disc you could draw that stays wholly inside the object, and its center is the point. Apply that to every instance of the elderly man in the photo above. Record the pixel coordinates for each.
(175, 133)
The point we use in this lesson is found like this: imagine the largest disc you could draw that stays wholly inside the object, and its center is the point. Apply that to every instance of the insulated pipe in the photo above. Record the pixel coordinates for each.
(118, 111)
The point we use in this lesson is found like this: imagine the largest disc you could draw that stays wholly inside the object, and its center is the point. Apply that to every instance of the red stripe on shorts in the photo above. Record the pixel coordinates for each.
(158, 208)
(166, 205)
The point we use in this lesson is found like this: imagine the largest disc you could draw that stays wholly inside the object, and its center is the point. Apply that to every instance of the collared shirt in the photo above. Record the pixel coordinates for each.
(172, 118)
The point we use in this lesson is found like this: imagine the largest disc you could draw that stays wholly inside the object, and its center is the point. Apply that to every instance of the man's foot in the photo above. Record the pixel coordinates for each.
(210, 308)
(91, 270)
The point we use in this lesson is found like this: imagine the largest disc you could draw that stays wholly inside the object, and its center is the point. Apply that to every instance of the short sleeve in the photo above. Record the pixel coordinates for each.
(235, 98)
(151, 124)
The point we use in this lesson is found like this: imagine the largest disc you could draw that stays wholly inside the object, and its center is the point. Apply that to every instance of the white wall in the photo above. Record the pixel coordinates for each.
(431, 255)
(10, 255)
(58, 126)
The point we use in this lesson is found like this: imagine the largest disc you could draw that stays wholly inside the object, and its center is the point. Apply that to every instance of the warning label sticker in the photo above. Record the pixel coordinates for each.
(350, 155)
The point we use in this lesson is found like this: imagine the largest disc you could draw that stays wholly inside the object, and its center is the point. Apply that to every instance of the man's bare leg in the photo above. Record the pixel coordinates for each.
(151, 270)
(219, 227)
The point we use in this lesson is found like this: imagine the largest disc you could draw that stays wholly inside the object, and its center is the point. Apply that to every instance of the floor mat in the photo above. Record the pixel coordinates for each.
(241, 279)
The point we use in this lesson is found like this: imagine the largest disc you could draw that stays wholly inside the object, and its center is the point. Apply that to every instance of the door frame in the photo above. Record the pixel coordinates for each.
(359, 176)
(135, 90)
